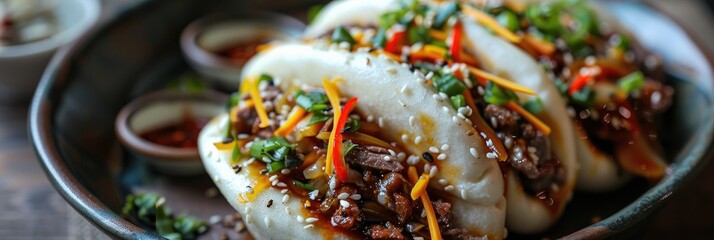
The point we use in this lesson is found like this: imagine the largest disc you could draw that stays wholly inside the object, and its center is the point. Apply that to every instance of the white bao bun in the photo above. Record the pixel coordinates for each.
(526, 214)
(386, 90)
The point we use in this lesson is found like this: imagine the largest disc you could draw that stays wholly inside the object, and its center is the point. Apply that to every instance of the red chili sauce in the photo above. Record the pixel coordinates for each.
(244, 50)
(182, 134)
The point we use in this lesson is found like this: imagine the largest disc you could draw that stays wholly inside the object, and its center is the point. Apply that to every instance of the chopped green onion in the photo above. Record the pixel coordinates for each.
(440, 44)
(265, 77)
(347, 146)
(444, 13)
(275, 166)
(620, 41)
(380, 39)
(585, 97)
(304, 185)
(449, 84)
(545, 17)
(509, 20)
(274, 143)
(632, 82)
(418, 35)
(256, 149)
(562, 87)
(313, 11)
(233, 100)
(534, 105)
(317, 118)
(388, 19)
(235, 155)
(497, 95)
(458, 101)
(351, 126)
(342, 35)
(312, 102)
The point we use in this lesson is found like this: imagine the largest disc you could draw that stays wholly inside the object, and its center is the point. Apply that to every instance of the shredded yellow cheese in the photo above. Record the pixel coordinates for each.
(388, 54)
(437, 34)
(251, 85)
(491, 23)
(433, 223)
(420, 186)
(333, 94)
(501, 81)
(537, 123)
(290, 123)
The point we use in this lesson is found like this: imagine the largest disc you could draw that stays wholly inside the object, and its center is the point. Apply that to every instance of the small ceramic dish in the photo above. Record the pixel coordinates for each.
(160, 117)
(218, 45)
(21, 65)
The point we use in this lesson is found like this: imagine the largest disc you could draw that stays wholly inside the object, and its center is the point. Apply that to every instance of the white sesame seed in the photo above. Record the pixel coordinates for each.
(401, 156)
(309, 226)
(444, 108)
(463, 194)
(442, 181)
(433, 171)
(405, 137)
(417, 140)
(418, 238)
(403, 89)
(489, 143)
(344, 204)
(267, 221)
(412, 121)
(449, 188)
(441, 156)
(300, 219)
(427, 167)
(625, 112)
(429, 75)
(285, 198)
(387, 158)
(287, 210)
(273, 178)
(423, 214)
(391, 152)
(247, 209)
(455, 119)
(281, 184)
(412, 160)
(433, 149)
(483, 135)
(247, 219)
(343, 196)
(435, 96)
(444, 147)
(250, 190)
(284, 191)
(443, 96)
(473, 152)
(356, 197)
(311, 220)
(274, 182)
(380, 122)
(370, 118)
(391, 70)
(490, 155)
(285, 171)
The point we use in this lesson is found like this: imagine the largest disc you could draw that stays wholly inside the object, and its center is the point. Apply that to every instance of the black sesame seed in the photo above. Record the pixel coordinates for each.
(427, 156)
(270, 203)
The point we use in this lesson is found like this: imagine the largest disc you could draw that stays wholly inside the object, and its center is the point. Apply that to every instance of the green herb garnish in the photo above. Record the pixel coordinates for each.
(498, 95)
(342, 35)
(632, 82)
(449, 84)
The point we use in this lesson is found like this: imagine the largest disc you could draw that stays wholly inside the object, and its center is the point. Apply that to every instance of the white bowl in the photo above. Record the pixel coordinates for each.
(203, 37)
(160, 109)
(21, 66)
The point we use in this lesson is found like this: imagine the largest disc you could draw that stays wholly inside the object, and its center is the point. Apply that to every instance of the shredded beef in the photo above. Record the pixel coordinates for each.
(402, 206)
(388, 232)
(373, 157)
(443, 213)
(506, 120)
(347, 218)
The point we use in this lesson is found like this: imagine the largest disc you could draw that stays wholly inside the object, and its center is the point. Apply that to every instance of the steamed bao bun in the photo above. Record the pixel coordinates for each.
(526, 213)
(477, 200)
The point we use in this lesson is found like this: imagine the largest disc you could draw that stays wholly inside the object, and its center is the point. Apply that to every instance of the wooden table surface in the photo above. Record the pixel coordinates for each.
(31, 209)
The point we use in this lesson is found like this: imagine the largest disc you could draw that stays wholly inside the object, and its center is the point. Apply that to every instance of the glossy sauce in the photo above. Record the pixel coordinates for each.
(242, 51)
(183, 134)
